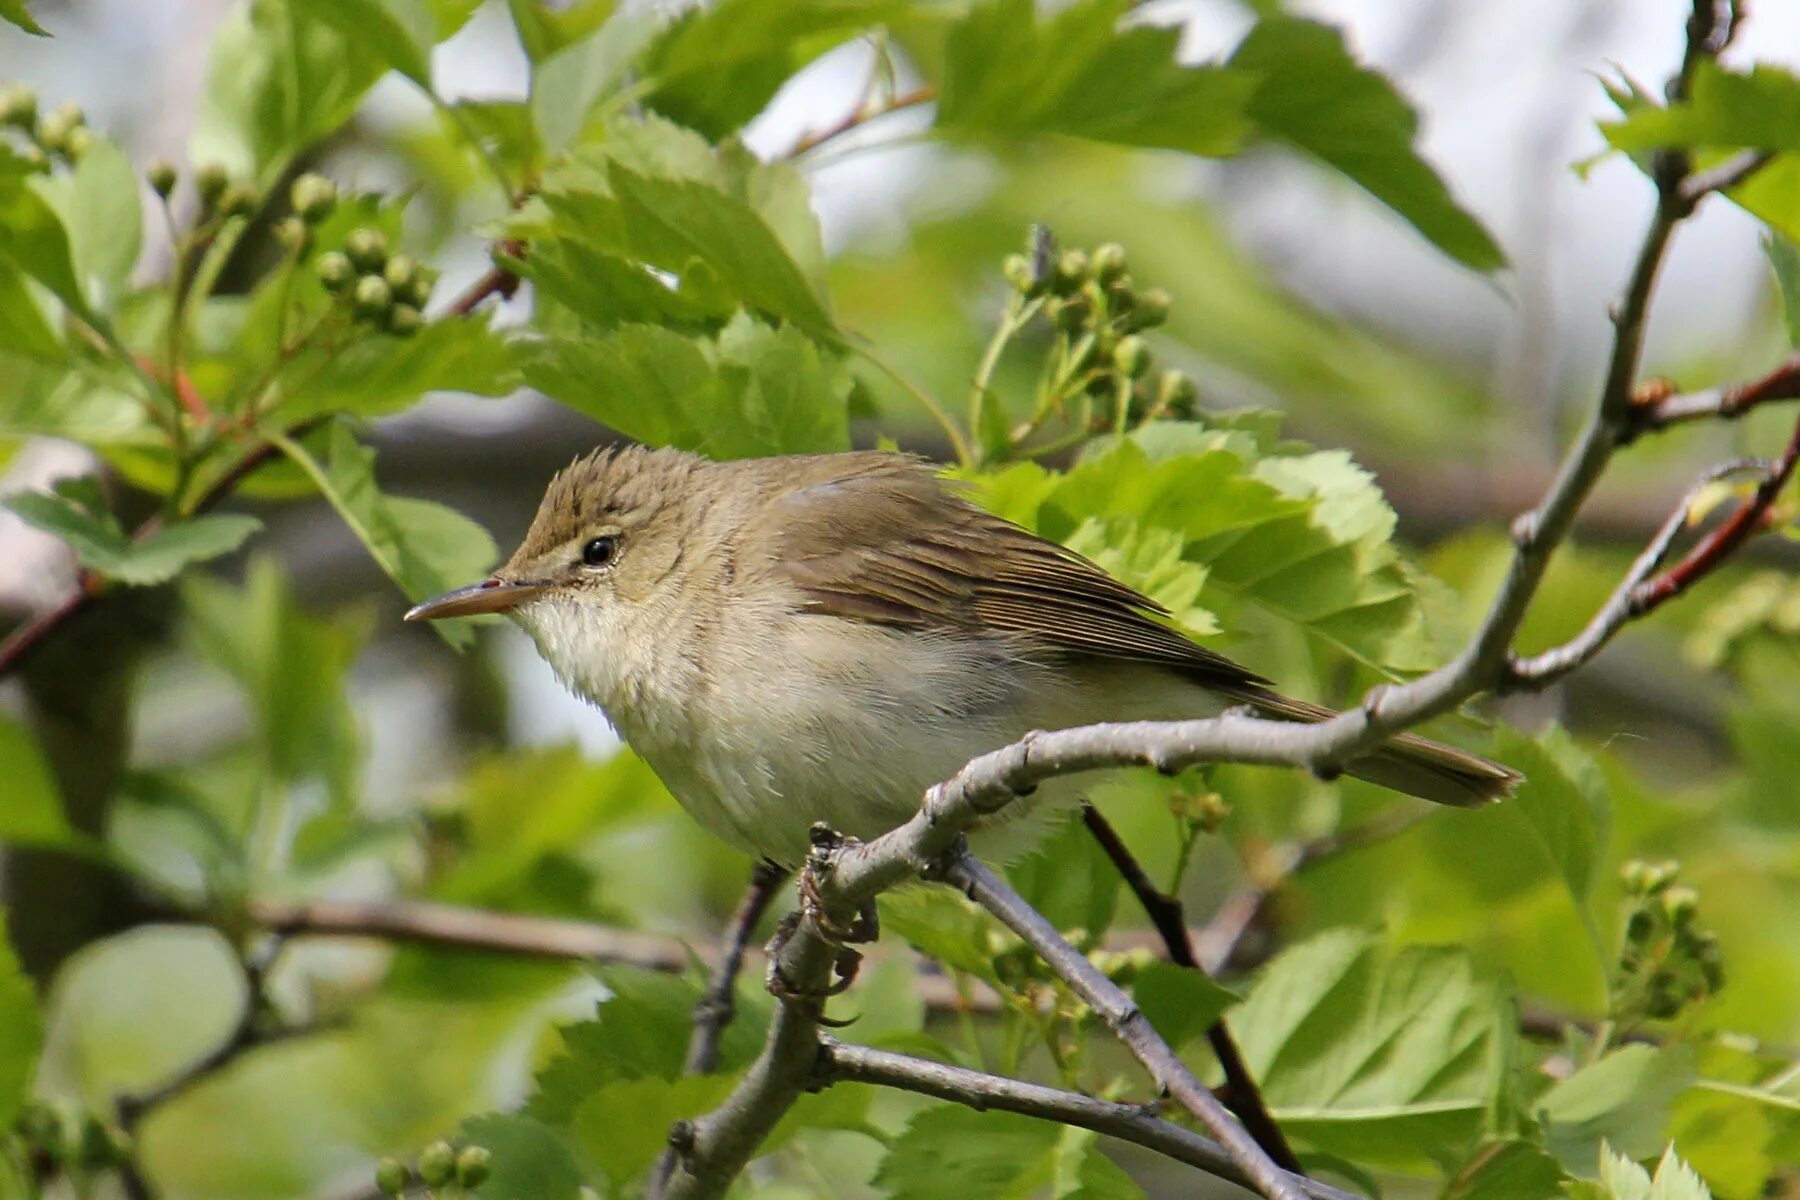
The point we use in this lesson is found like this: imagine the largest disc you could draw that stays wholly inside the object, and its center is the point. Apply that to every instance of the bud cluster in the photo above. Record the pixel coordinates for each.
(382, 290)
(1100, 315)
(442, 1171)
(1666, 960)
(60, 135)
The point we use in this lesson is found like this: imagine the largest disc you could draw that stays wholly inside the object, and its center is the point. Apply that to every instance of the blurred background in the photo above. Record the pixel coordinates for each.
(1293, 290)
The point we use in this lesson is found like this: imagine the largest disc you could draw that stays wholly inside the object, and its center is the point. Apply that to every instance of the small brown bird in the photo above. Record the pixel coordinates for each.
(823, 637)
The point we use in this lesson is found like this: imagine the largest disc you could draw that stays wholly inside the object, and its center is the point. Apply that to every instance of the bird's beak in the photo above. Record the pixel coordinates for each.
(488, 596)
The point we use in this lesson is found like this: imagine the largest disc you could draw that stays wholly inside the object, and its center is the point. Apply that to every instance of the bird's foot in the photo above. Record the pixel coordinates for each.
(861, 929)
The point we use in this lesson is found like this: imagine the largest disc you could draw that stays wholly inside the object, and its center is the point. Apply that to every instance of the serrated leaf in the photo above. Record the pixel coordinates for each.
(15, 12)
(1784, 261)
(399, 32)
(1078, 72)
(544, 29)
(531, 1160)
(1313, 95)
(33, 239)
(163, 554)
(377, 375)
(1564, 804)
(95, 537)
(1068, 878)
(1622, 1100)
(757, 390)
(1180, 1002)
(623, 1126)
(98, 205)
(1758, 109)
(33, 812)
(574, 76)
(23, 327)
(21, 1031)
(941, 924)
(423, 547)
(952, 1153)
(1387, 1057)
(1622, 1179)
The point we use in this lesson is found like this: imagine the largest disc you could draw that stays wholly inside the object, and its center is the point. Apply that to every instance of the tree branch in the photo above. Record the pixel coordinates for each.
(862, 115)
(714, 1013)
(841, 1063)
(1166, 913)
(1658, 407)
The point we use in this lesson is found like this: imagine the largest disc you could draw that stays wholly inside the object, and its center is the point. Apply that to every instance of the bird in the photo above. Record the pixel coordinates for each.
(820, 638)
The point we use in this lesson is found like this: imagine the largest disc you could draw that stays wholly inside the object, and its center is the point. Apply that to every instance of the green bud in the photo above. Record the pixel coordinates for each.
(313, 197)
(54, 129)
(1660, 875)
(1680, 903)
(1071, 272)
(1017, 270)
(1639, 926)
(335, 271)
(418, 289)
(1109, 263)
(367, 249)
(437, 1162)
(239, 200)
(161, 176)
(403, 320)
(373, 297)
(210, 182)
(1131, 356)
(391, 1176)
(399, 272)
(1151, 310)
(294, 233)
(473, 1166)
(78, 142)
(18, 106)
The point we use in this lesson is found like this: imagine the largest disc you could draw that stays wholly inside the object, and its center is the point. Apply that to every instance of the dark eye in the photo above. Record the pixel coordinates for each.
(599, 551)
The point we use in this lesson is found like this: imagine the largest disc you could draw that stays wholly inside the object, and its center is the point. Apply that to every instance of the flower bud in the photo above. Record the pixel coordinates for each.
(473, 1166)
(161, 176)
(18, 106)
(372, 297)
(1151, 310)
(238, 200)
(77, 143)
(1072, 315)
(335, 271)
(1176, 392)
(418, 291)
(54, 129)
(399, 271)
(293, 233)
(1639, 926)
(1109, 263)
(367, 249)
(313, 197)
(1017, 270)
(1131, 356)
(1071, 272)
(35, 158)
(1680, 904)
(437, 1162)
(210, 182)
(403, 320)
(391, 1176)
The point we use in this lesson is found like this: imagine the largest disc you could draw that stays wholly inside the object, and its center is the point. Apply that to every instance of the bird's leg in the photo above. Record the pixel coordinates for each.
(863, 928)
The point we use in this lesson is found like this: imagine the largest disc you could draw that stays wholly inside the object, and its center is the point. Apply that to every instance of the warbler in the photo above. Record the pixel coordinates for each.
(820, 638)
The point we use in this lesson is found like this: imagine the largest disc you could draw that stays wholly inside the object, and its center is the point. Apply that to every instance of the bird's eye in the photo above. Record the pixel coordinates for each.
(599, 551)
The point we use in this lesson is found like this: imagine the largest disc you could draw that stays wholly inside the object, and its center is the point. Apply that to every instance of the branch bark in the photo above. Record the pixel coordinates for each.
(841, 1063)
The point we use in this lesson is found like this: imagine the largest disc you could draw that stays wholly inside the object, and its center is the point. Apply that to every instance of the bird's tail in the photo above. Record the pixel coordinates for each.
(1409, 763)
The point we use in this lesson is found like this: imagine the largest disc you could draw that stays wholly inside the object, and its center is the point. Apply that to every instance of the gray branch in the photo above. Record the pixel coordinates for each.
(841, 1063)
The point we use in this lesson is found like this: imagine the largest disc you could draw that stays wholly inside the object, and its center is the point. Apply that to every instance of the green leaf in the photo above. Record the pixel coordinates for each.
(1068, 878)
(376, 375)
(1387, 1057)
(424, 547)
(1010, 73)
(544, 29)
(98, 204)
(1758, 110)
(948, 1152)
(1622, 1100)
(101, 546)
(280, 76)
(1565, 805)
(624, 1126)
(1180, 1002)
(21, 1031)
(531, 1160)
(756, 390)
(1784, 260)
(400, 32)
(33, 812)
(1623, 1179)
(1313, 95)
(23, 327)
(575, 75)
(291, 668)
(1505, 1171)
(15, 12)
(34, 240)
(941, 924)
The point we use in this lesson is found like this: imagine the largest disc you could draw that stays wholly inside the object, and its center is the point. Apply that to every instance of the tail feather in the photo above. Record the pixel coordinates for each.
(1409, 763)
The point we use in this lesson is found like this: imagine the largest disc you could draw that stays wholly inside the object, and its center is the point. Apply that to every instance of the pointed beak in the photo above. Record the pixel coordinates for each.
(488, 596)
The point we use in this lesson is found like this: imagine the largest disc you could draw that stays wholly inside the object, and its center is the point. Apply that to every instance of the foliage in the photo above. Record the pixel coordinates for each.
(240, 331)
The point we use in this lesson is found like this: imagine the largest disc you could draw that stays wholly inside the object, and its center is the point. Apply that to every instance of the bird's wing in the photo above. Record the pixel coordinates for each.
(884, 540)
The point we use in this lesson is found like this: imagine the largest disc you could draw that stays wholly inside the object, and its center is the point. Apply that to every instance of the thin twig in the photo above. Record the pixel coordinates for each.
(1124, 1018)
(841, 1063)
(714, 1013)
(1662, 408)
(1167, 914)
(1727, 175)
(860, 116)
